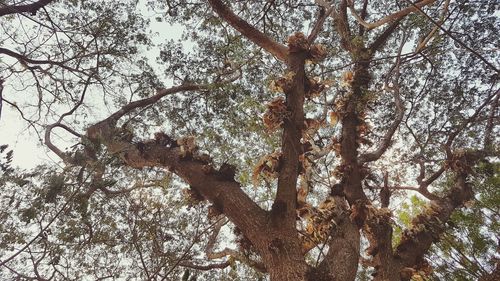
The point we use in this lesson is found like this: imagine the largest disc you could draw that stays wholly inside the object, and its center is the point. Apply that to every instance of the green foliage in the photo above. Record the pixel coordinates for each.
(100, 218)
(470, 248)
(405, 214)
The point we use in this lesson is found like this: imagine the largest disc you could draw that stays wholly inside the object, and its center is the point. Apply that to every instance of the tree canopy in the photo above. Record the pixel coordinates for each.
(252, 140)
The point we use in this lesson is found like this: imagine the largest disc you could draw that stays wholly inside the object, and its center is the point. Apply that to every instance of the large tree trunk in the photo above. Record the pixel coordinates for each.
(282, 254)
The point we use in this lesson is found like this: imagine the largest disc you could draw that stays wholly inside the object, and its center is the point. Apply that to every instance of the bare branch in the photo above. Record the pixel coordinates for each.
(28, 8)
(400, 110)
(489, 64)
(390, 18)
(25, 60)
(324, 14)
(429, 36)
(205, 267)
(249, 31)
(48, 130)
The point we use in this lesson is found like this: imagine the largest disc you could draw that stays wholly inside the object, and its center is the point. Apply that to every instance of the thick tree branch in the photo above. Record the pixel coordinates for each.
(249, 31)
(285, 202)
(342, 26)
(427, 226)
(364, 13)
(378, 230)
(27, 8)
(382, 38)
(324, 14)
(192, 265)
(341, 261)
(225, 194)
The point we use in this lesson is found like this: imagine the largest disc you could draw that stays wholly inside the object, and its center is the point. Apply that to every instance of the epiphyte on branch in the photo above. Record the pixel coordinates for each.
(297, 42)
(164, 140)
(187, 146)
(275, 114)
(268, 166)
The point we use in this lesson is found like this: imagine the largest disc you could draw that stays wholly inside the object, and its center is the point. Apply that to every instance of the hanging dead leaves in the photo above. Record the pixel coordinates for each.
(317, 224)
(267, 167)
(314, 87)
(275, 114)
(297, 42)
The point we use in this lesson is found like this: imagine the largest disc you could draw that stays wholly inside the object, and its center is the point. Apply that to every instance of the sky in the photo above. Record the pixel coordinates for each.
(29, 150)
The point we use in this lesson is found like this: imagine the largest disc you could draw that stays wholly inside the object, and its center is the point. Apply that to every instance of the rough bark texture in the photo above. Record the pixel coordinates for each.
(274, 233)
(341, 262)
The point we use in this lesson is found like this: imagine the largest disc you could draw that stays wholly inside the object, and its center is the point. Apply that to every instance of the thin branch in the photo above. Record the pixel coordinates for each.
(400, 110)
(465, 123)
(153, 99)
(429, 36)
(25, 60)
(43, 229)
(489, 64)
(49, 128)
(205, 267)
(490, 123)
(28, 8)
(390, 18)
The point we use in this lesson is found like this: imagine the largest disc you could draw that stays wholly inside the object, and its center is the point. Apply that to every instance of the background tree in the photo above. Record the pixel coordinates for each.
(289, 140)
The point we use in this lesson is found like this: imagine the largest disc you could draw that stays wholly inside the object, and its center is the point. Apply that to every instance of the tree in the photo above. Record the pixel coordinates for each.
(297, 131)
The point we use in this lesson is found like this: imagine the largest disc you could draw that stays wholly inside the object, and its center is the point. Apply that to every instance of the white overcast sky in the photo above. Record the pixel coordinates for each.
(28, 148)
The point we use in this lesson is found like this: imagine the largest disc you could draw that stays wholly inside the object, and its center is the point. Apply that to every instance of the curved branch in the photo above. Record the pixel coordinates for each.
(429, 36)
(400, 110)
(319, 23)
(48, 130)
(448, 33)
(427, 227)
(24, 60)
(28, 8)
(249, 31)
(390, 18)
